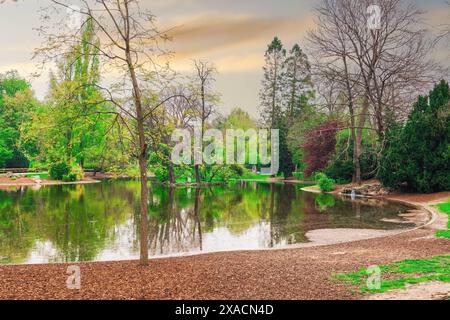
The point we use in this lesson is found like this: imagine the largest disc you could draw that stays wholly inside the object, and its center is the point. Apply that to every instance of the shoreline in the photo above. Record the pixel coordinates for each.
(45, 183)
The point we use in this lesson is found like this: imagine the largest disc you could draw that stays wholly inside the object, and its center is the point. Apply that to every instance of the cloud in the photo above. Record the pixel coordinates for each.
(229, 38)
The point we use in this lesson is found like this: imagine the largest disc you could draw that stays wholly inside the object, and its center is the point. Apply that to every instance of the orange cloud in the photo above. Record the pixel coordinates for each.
(232, 42)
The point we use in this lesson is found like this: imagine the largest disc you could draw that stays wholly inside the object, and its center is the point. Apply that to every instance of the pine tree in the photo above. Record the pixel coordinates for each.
(272, 84)
(417, 156)
(296, 82)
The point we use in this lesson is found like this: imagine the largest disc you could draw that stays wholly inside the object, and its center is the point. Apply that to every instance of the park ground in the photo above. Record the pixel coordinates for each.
(298, 273)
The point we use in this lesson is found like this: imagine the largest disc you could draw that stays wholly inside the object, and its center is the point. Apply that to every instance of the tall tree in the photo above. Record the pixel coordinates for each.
(206, 99)
(72, 127)
(17, 104)
(271, 93)
(297, 86)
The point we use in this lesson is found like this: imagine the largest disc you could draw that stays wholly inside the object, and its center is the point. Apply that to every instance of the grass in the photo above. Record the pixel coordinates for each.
(254, 176)
(41, 175)
(402, 273)
(445, 208)
(407, 271)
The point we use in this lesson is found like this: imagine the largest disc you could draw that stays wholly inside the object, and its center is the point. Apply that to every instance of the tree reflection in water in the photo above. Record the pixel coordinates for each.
(101, 222)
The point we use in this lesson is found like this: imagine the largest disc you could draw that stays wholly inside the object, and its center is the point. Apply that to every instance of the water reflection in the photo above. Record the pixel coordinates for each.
(101, 222)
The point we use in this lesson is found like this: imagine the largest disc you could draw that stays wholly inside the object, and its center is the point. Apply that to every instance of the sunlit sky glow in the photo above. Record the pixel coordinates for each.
(233, 34)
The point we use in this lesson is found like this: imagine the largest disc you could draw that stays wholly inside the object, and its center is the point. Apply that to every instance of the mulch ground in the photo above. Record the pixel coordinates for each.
(279, 274)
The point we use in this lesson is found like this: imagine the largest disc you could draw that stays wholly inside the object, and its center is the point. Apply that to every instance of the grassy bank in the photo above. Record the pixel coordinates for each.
(444, 208)
(397, 275)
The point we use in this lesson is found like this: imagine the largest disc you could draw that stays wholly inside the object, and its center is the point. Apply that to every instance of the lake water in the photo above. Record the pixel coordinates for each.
(101, 221)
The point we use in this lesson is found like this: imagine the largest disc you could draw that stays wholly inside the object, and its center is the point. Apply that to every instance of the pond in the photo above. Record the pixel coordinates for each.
(100, 222)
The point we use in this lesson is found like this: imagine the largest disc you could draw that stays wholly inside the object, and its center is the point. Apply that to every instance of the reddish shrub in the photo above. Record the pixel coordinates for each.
(319, 146)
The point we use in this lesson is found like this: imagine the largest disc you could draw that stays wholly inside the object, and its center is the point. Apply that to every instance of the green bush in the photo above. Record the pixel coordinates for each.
(237, 169)
(298, 175)
(325, 184)
(58, 170)
(340, 170)
(416, 155)
(71, 177)
(78, 172)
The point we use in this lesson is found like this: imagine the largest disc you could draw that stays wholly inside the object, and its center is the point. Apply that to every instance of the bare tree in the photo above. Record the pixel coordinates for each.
(379, 70)
(178, 112)
(129, 54)
(206, 100)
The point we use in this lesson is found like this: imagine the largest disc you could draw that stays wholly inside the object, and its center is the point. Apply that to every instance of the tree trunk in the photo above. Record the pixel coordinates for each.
(171, 173)
(144, 210)
(142, 161)
(197, 175)
(354, 132)
(197, 217)
(358, 143)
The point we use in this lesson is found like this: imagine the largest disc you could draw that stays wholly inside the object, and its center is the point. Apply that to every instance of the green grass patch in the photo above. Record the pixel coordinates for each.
(444, 208)
(40, 175)
(254, 176)
(397, 275)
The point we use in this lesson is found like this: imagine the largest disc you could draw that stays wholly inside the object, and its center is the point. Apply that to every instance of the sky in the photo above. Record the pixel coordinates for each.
(232, 34)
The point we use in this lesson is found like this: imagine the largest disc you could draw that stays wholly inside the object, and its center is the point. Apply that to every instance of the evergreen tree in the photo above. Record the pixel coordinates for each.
(271, 97)
(417, 156)
(297, 82)
(286, 88)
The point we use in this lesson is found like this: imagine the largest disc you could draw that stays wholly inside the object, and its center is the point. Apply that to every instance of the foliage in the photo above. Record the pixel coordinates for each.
(16, 104)
(271, 87)
(325, 201)
(397, 275)
(341, 168)
(416, 156)
(285, 91)
(296, 82)
(298, 175)
(325, 184)
(249, 175)
(59, 170)
(286, 165)
(319, 146)
(75, 122)
(299, 132)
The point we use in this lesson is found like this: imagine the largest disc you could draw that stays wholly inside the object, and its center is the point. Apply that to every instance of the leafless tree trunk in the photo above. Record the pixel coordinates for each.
(203, 79)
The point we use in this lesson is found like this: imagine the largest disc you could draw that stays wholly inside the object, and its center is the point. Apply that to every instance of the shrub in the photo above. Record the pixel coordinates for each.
(58, 170)
(71, 177)
(78, 172)
(340, 170)
(237, 169)
(416, 156)
(298, 175)
(325, 184)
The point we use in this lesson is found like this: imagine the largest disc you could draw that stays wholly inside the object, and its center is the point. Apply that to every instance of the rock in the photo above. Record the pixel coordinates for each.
(366, 190)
